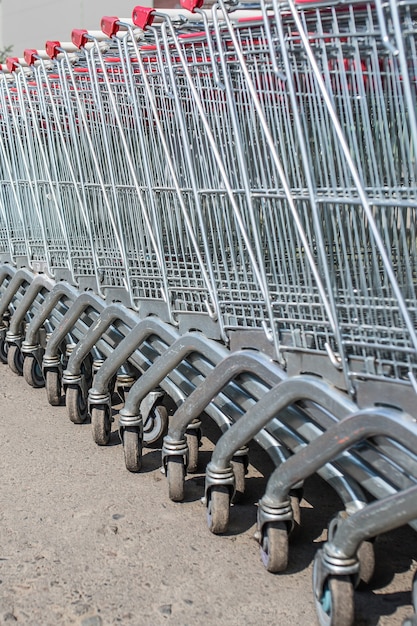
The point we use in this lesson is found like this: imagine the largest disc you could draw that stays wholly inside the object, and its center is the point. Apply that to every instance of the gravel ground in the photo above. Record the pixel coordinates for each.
(83, 541)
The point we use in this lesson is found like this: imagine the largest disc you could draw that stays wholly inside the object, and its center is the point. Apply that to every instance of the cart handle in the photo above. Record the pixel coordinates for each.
(54, 48)
(14, 62)
(192, 5)
(11, 63)
(31, 55)
(81, 37)
(143, 17)
(111, 25)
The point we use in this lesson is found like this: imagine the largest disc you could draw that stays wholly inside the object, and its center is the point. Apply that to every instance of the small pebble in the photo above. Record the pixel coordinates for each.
(81, 608)
(94, 620)
(166, 609)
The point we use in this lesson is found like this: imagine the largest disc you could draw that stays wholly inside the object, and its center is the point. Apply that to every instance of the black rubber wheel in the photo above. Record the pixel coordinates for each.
(193, 437)
(76, 404)
(132, 448)
(156, 425)
(239, 465)
(15, 359)
(32, 372)
(101, 420)
(53, 386)
(274, 546)
(4, 348)
(175, 474)
(218, 509)
(336, 606)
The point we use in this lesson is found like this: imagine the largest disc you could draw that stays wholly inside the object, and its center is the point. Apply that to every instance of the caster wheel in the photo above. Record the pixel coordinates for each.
(32, 372)
(15, 359)
(4, 348)
(101, 420)
(218, 509)
(175, 474)
(132, 448)
(365, 554)
(239, 465)
(274, 546)
(53, 386)
(335, 607)
(76, 404)
(193, 437)
(155, 426)
(366, 557)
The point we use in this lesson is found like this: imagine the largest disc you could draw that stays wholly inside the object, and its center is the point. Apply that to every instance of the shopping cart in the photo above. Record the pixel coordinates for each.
(76, 261)
(325, 314)
(16, 224)
(38, 238)
(364, 324)
(101, 83)
(226, 210)
(73, 379)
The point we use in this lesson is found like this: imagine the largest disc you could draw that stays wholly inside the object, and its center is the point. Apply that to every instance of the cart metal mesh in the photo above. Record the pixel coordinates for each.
(223, 203)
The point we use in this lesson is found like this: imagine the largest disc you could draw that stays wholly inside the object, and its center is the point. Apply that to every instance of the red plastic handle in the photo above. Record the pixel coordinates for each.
(51, 48)
(79, 37)
(143, 16)
(12, 63)
(110, 25)
(30, 55)
(253, 18)
(191, 5)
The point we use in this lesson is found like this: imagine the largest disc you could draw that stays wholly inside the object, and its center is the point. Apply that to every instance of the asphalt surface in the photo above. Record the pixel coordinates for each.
(83, 541)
